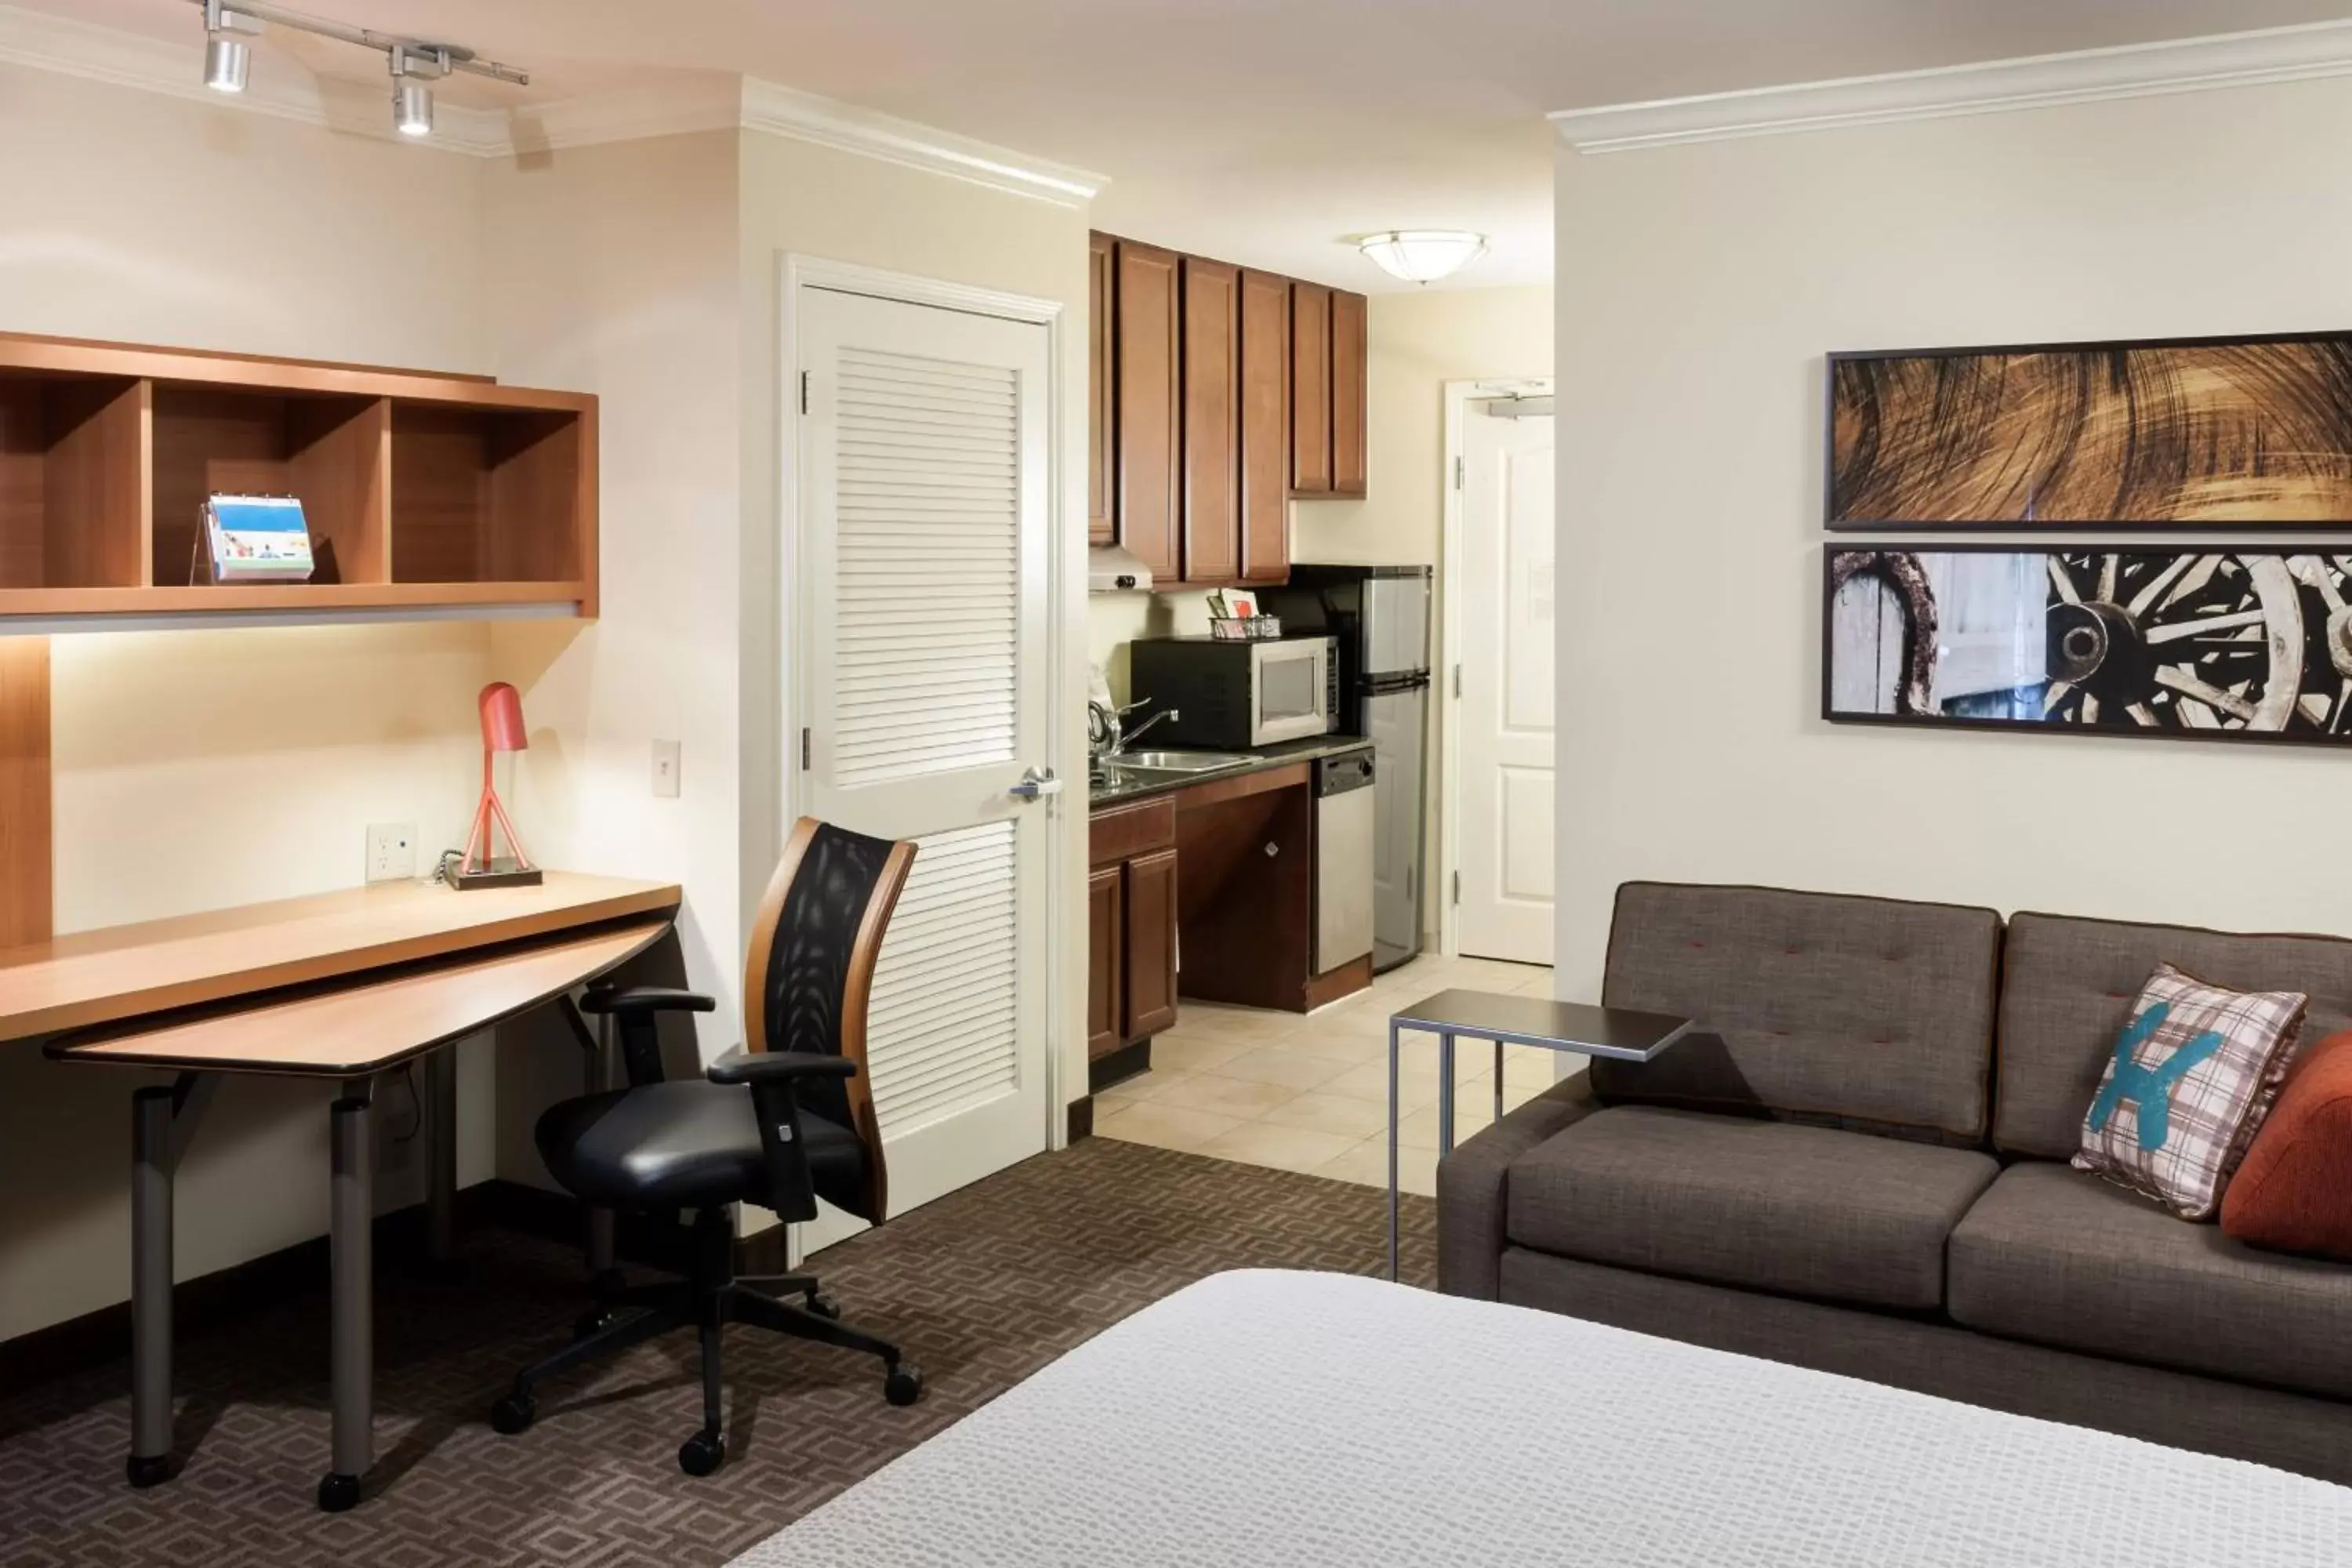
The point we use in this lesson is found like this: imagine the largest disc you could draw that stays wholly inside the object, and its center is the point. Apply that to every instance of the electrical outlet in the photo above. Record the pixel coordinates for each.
(390, 851)
(666, 769)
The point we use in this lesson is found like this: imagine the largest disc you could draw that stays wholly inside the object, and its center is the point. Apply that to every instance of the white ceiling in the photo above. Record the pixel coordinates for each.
(1261, 130)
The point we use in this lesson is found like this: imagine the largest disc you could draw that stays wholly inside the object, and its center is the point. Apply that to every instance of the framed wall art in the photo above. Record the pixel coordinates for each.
(2248, 645)
(2203, 433)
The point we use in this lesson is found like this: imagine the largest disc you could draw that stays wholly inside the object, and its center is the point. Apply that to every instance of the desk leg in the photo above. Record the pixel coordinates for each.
(1445, 1094)
(352, 1213)
(601, 1220)
(151, 1286)
(441, 1192)
(1392, 1151)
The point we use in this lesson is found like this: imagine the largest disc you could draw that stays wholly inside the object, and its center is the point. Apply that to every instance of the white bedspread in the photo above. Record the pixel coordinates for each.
(1324, 1421)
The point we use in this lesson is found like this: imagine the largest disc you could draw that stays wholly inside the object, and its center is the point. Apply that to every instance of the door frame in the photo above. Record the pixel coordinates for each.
(1459, 396)
(799, 272)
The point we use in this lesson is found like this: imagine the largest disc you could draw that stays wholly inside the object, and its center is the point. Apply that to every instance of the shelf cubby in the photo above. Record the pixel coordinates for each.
(424, 493)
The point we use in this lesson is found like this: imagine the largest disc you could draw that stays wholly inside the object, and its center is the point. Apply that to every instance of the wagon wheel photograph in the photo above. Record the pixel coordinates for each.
(2192, 642)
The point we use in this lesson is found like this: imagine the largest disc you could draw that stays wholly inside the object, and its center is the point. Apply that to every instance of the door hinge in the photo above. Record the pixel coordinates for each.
(804, 750)
(1457, 473)
(805, 392)
(1457, 682)
(1457, 887)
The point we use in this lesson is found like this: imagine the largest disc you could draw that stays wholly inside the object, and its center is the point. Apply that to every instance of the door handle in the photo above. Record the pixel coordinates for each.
(1036, 784)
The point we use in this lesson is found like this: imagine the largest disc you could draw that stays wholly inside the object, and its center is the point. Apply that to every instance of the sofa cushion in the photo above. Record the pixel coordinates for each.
(1805, 1211)
(1809, 1006)
(2058, 1257)
(2067, 990)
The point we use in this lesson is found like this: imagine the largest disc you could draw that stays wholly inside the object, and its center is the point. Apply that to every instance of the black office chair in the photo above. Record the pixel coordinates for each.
(782, 1123)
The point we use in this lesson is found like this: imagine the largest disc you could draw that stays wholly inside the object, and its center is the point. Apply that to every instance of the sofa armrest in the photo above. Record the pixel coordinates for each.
(1473, 1189)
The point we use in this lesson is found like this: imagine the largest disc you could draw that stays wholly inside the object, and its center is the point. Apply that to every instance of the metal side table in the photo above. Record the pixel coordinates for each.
(1616, 1033)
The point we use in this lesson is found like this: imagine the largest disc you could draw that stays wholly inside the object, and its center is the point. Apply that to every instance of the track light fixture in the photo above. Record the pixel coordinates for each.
(415, 63)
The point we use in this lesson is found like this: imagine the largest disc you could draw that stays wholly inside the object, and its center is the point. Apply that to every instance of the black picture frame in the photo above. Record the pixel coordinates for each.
(2322, 403)
(2300, 728)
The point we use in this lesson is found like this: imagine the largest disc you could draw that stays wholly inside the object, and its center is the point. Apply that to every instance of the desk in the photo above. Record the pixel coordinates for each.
(344, 986)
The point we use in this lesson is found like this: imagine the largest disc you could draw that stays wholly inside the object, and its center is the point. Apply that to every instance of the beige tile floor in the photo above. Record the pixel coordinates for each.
(1310, 1093)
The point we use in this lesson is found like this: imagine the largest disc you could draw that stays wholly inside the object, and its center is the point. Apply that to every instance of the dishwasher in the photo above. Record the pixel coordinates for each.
(1344, 822)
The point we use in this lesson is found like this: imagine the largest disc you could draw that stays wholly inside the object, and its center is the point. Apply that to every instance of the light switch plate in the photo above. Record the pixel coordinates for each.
(665, 762)
(390, 851)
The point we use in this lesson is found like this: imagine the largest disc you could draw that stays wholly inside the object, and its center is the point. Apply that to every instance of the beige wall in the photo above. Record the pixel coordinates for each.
(812, 201)
(1700, 288)
(198, 768)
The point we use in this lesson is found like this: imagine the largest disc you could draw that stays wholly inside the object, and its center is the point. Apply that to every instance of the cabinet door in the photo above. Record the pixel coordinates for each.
(1106, 936)
(1145, 449)
(1213, 476)
(1150, 944)
(1310, 389)
(1265, 428)
(1102, 469)
(1349, 349)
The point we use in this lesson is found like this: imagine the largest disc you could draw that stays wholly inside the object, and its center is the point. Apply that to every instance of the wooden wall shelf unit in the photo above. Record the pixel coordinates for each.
(423, 492)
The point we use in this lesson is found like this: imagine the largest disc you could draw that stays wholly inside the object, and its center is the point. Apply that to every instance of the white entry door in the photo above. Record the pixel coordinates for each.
(920, 668)
(1506, 709)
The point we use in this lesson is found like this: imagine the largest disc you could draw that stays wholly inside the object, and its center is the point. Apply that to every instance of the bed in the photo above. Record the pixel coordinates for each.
(1300, 1420)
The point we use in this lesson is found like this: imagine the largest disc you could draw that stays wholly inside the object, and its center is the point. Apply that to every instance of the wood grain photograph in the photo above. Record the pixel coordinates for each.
(2223, 431)
(2252, 645)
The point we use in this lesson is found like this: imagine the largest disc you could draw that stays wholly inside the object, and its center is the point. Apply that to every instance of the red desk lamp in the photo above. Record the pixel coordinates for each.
(502, 731)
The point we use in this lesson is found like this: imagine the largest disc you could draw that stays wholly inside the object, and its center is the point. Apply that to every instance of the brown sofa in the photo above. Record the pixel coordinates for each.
(1856, 1163)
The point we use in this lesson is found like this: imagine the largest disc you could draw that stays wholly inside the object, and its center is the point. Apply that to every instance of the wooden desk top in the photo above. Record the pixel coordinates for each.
(349, 1031)
(126, 972)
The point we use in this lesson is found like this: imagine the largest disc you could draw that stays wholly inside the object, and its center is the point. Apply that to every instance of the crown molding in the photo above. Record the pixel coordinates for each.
(282, 90)
(827, 122)
(2040, 81)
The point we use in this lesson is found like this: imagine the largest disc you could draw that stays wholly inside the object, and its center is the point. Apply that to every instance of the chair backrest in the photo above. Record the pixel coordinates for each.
(809, 973)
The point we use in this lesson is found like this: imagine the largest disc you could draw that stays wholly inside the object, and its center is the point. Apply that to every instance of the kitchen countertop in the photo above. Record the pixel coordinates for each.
(1262, 758)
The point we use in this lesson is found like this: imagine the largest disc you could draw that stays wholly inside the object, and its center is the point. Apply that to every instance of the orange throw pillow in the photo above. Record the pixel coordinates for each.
(2293, 1192)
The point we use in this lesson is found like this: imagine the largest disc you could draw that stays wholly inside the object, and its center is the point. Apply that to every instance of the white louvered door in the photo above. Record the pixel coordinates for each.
(925, 481)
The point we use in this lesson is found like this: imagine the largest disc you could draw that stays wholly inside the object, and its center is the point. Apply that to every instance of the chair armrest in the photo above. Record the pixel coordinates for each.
(1474, 1187)
(740, 1066)
(775, 1078)
(647, 999)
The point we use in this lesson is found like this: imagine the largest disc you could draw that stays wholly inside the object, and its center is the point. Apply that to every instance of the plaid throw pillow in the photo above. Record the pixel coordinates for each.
(2191, 1078)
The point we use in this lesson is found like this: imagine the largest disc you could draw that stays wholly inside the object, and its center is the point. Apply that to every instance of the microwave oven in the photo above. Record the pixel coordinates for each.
(1236, 694)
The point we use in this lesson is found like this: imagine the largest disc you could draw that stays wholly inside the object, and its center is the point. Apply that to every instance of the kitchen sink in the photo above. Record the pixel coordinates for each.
(1178, 762)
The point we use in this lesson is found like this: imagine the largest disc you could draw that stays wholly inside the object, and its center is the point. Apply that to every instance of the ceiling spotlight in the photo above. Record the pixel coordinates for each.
(1423, 254)
(413, 70)
(228, 57)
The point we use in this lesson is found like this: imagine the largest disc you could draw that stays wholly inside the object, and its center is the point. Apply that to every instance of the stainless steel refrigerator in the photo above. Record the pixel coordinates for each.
(1379, 615)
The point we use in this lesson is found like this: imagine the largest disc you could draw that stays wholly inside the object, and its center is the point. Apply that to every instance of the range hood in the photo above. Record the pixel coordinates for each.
(1114, 569)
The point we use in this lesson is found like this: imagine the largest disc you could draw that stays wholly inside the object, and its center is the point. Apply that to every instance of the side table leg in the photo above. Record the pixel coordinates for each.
(352, 1215)
(1392, 1149)
(1445, 1094)
(1498, 1080)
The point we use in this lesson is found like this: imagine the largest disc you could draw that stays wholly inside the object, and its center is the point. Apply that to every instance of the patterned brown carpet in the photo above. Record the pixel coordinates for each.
(982, 1288)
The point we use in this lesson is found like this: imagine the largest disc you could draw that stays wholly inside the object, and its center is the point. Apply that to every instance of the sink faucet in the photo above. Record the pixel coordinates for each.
(1103, 731)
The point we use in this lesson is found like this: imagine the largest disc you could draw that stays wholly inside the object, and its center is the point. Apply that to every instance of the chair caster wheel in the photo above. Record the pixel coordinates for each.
(823, 1306)
(594, 1320)
(337, 1493)
(902, 1386)
(702, 1453)
(513, 1414)
(149, 1471)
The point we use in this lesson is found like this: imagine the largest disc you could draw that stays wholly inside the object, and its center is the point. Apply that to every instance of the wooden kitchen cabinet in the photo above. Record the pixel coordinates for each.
(1265, 428)
(1212, 424)
(1149, 908)
(1349, 348)
(1102, 467)
(1311, 390)
(1105, 961)
(1146, 445)
(1131, 920)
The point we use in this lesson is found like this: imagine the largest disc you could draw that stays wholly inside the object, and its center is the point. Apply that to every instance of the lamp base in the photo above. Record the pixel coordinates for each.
(500, 874)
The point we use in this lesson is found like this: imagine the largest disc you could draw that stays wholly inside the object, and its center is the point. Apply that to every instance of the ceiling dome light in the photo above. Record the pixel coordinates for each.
(1423, 255)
